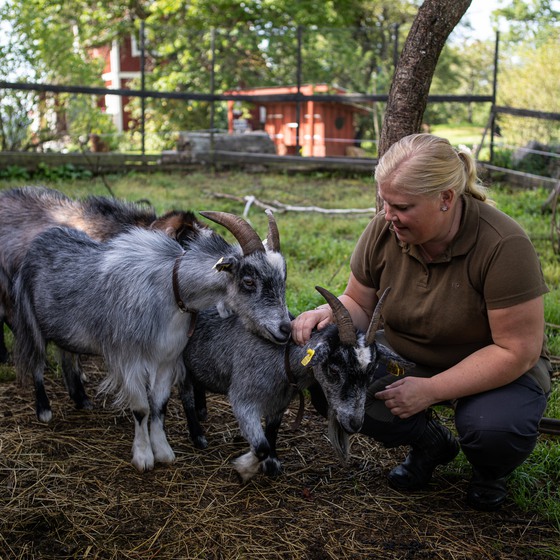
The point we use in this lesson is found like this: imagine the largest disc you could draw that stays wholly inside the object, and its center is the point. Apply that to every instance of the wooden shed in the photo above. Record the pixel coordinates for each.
(327, 127)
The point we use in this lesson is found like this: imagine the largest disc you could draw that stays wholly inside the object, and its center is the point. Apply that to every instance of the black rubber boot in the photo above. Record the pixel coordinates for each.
(436, 446)
(486, 493)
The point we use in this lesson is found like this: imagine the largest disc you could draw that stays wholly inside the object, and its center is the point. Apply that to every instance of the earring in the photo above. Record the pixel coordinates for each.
(444, 208)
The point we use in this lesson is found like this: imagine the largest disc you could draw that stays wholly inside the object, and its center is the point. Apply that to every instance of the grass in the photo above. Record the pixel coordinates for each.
(317, 247)
(469, 135)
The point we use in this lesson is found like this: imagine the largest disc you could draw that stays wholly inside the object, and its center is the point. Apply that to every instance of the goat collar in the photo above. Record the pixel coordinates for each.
(291, 379)
(178, 299)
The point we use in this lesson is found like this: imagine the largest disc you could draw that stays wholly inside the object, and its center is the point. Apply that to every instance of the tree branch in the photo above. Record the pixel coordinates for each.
(280, 207)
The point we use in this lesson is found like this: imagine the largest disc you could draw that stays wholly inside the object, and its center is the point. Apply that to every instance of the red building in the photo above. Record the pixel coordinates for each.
(327, 128)
(122, 64)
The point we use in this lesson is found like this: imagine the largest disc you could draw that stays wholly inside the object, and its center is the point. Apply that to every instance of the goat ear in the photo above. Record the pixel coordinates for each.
(392, 359)
(316, 353)
(224, 264)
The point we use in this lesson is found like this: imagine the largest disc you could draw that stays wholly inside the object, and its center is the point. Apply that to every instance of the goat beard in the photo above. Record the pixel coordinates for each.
(338, 437)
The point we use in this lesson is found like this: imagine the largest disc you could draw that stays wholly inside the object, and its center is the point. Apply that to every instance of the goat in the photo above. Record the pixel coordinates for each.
(225, 356)
(131, 300)
(25, 212)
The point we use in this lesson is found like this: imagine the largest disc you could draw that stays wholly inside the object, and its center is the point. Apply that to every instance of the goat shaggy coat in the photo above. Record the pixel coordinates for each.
(26, 212)
(225, 356)
(120, 300)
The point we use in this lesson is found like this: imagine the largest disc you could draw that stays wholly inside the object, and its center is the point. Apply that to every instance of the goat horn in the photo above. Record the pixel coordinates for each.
(346, 330)
(375, 318)
(247, 237)
(273, 237)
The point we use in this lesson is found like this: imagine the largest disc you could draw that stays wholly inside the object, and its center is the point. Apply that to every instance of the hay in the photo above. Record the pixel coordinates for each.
(68, 491)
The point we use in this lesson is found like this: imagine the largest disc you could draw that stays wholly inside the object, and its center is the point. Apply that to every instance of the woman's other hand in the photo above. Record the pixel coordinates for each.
(407, 396)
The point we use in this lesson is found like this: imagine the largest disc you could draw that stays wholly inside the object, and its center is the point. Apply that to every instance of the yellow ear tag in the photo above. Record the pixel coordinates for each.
(394, 368)
(307, 359)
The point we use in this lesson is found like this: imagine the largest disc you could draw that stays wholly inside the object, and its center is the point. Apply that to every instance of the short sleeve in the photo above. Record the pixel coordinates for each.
(514, 274)
(366, 253)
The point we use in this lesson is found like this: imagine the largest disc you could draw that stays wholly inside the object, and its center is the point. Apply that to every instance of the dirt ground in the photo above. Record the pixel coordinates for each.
(68, 490)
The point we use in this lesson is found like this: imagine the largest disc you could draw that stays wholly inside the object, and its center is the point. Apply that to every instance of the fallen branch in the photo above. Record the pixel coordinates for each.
(280, 207)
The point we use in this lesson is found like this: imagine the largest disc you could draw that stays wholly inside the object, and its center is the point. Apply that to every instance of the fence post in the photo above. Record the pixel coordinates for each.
(494, 93)
(298, 79)
(142, 88)
(212, 90)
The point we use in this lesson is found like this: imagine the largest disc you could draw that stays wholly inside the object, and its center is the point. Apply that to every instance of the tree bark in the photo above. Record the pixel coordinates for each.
(411, 83)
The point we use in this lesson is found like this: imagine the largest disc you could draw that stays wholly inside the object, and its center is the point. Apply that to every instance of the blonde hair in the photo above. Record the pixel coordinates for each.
(428, 165)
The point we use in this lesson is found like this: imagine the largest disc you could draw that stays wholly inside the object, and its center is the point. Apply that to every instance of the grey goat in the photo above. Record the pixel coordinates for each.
(131, 299)
(224, 356)
(25, 212)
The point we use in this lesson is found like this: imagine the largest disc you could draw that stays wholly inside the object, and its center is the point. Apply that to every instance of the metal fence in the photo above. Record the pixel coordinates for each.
(295, 48)
(290, 56)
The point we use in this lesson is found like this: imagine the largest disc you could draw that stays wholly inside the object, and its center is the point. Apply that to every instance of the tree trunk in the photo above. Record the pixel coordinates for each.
(409, 90)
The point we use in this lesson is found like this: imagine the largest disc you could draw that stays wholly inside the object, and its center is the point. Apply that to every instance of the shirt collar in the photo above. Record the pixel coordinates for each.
(467, 235)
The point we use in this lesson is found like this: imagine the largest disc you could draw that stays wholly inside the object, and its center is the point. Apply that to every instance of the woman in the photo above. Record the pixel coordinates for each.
(466, 305)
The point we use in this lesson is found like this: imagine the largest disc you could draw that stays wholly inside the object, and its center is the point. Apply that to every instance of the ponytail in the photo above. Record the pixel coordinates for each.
(428, 165)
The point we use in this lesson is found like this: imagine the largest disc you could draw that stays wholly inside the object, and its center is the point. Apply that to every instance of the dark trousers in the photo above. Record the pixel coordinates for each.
(497, 429)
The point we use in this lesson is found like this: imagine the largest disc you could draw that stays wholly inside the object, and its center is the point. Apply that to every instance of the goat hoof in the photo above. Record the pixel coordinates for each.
(271, 467)
(44, 415)
(164, 456)
(86, 404)
(200, 442)
(247, 466)
(143, 463)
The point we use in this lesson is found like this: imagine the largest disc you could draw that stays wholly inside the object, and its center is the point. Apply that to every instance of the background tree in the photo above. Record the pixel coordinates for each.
(344, 44)
(465, 67)
(348, 44)
(529, 21)
(410, 87)
(44, 46)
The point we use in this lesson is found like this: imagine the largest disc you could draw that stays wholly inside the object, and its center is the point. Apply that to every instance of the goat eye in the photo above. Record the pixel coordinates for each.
(333, 373)
(248, 282)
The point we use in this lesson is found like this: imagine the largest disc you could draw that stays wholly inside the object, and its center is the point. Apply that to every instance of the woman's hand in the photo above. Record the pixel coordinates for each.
(358, 299)
(303, 324)
(407, 396)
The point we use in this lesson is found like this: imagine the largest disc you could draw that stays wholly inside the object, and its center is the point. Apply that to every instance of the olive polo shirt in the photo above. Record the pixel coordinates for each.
(436, 313)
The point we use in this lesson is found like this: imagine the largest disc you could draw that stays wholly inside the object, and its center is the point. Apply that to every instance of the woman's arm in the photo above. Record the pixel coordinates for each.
(357, 298)
(517, 334)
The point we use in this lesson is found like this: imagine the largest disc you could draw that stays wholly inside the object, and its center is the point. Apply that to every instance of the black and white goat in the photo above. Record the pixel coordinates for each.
(131, 300)
(260, 379)
(26, 212)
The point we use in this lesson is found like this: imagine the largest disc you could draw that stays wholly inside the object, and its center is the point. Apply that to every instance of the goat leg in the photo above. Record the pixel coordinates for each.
(271, 466)
(3, 349)
(261, 456)
(200, 401)
(142, 454)
(158, 398)
(42, 403)
(72, 375)
(188, 399)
